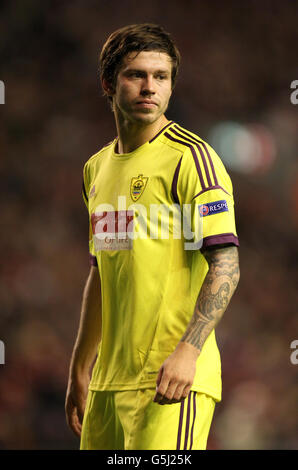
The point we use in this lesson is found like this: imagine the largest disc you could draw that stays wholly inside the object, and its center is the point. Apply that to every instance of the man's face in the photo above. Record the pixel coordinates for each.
(144, 86)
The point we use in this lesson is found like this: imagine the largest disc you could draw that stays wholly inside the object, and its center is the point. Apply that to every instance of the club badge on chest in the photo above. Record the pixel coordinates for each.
(137, 186)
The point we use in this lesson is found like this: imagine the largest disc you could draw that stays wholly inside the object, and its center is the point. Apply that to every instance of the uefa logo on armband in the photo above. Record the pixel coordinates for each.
(204, 210)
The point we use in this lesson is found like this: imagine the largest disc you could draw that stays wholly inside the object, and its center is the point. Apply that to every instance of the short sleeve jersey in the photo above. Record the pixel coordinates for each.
(151, 212)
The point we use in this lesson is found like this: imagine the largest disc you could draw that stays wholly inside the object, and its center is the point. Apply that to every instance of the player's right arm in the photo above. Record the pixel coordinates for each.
(84, 351)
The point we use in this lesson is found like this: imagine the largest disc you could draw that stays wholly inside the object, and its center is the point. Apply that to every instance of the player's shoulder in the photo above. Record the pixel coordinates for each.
(185, 140)
(200, 159)
(100, 153)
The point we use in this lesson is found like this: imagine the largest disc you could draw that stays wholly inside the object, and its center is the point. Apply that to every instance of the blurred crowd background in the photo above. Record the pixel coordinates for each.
(238, 62)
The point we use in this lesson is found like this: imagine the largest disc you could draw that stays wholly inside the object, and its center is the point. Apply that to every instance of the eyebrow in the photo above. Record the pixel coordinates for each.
(144, 71)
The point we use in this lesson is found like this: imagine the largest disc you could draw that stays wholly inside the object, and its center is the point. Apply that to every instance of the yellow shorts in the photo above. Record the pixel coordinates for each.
(130, 420)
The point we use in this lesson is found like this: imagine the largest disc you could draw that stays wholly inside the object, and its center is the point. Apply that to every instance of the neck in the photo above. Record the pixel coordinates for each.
(134, 134)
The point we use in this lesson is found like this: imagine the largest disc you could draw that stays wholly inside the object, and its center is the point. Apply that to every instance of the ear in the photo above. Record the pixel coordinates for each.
(107, 87)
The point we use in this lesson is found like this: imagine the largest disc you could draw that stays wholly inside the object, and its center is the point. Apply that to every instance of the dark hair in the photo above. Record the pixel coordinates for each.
(135, 38)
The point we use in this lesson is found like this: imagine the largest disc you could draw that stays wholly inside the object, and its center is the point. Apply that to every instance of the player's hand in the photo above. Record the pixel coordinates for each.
(176, 375)
(75, 402)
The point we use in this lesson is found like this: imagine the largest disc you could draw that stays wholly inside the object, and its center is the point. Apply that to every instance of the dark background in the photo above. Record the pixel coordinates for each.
(238, 61)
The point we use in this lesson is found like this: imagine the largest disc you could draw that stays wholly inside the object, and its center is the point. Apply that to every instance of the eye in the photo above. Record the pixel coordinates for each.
(135, 74)
(160, 76)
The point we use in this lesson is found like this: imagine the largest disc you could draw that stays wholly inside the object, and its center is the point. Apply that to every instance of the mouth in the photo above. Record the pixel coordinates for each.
(146, 103)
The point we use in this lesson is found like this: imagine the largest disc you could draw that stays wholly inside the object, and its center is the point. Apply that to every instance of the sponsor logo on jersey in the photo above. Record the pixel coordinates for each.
(137, 186)
(111, 230)
(213, 208)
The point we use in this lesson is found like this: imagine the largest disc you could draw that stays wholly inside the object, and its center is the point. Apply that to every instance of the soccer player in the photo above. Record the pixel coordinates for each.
(164, 264)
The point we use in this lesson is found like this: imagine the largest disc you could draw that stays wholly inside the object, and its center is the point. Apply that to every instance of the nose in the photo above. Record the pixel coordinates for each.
(148, 86)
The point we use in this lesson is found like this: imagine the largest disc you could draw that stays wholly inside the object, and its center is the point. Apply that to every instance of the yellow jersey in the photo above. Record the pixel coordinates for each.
(150, 212)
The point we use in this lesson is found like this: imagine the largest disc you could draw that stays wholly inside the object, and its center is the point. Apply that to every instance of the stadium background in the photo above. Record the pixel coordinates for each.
(238, 61)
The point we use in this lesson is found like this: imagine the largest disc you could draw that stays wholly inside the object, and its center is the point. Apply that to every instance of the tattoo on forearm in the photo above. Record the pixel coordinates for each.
(216, 292)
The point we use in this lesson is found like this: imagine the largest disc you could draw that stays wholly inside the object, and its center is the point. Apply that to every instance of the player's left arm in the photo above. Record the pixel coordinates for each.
(177, 373)
(218, 287)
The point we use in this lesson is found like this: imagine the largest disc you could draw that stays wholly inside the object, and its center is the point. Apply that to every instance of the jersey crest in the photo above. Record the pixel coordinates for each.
(137, 186)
